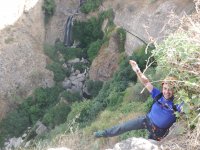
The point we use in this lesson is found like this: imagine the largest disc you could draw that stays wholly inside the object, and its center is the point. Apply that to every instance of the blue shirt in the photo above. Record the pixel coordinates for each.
(161, 116)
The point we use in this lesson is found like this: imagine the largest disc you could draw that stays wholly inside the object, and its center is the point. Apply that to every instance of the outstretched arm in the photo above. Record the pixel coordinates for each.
(143, 79)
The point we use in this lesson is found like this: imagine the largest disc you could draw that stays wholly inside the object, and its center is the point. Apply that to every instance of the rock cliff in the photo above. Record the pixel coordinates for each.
(22, 61)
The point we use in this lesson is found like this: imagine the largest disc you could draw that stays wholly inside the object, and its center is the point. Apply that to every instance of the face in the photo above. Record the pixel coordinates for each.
(167, 91)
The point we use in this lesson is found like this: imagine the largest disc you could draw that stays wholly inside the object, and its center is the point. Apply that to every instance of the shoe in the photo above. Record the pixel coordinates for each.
(99, 134)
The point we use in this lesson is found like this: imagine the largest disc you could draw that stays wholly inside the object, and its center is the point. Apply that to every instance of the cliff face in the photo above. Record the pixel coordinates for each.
(22, 61)
(147, 20)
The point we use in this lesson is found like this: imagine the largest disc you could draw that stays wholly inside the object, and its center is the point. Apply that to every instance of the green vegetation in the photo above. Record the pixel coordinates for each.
(119, 99)
(71, 97)
(54, 106)
(94, 87)
(58, 70)
(49, 7)
(32, 109)
(90, 5)
(178, 56)
(87, 32)
(121, 39)
(94, 49)
(56, 115)
(69, 53)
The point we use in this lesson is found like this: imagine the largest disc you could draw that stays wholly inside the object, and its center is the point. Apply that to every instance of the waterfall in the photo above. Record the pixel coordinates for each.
(68, 41)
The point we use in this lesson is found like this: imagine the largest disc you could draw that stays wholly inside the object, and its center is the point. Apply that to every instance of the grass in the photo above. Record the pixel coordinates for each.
(69, 135)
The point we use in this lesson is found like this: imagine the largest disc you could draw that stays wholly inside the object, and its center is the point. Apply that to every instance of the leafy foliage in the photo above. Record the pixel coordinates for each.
(56, 115)
(49, 7)
(94, 87)
(87, 32)
(122, 38)
(51, 52)
(17, 119)
(90, 5)
(59, 72)
(71, 97)
(179, 56)
(69, 53)
(32, 109)
(94, 49)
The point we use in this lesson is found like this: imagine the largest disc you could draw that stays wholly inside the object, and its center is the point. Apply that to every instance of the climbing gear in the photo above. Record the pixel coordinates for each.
(165, 105)
(156, 133)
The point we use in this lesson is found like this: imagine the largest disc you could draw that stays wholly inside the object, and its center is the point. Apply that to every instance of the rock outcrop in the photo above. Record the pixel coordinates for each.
(22, 61)
(135, 144)
(147, 20)
(106, 63)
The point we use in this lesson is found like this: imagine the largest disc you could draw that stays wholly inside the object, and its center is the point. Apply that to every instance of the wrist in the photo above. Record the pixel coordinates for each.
(137, 70)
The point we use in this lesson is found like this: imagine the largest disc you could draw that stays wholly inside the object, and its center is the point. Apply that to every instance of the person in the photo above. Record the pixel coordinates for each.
(161, 116)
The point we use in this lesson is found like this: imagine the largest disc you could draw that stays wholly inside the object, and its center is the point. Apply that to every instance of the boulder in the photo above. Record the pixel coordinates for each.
(135, 144)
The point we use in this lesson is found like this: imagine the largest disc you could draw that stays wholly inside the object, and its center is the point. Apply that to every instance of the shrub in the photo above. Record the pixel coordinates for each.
(80, 66)
(69, 53)
(49, 7)
(59, 72)
(90, 5)
(108, 14)
(125, 72)
(51, 52)
(87, 32)
(94, 49)
(13, 125)
(56, 115)
(80, 111)
(121, 39)
(71, 97)
(94, 87)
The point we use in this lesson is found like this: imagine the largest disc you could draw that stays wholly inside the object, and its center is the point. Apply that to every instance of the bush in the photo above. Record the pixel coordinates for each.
(87, 32)
(71, 97)
(121, 33)
(51, 52)
(80, 66)
(90, 5)
(94, 87)
(109, 14)
(59, 72)
(94, 49)
(80, 111)
(13, 125)
(56, 115)
(49, 7)
(69, 53)
(125, 73)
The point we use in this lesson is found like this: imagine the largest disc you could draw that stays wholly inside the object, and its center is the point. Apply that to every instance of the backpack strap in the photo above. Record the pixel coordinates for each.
(159, 96)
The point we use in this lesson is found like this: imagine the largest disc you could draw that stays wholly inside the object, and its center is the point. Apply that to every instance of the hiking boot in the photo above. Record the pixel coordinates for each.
(99, 134)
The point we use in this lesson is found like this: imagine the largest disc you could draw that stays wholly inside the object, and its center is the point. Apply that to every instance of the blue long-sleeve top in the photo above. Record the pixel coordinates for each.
(162, 117)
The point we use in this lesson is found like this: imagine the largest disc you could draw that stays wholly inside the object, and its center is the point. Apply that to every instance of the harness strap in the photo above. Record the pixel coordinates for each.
(174, 108)
(156, 133)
